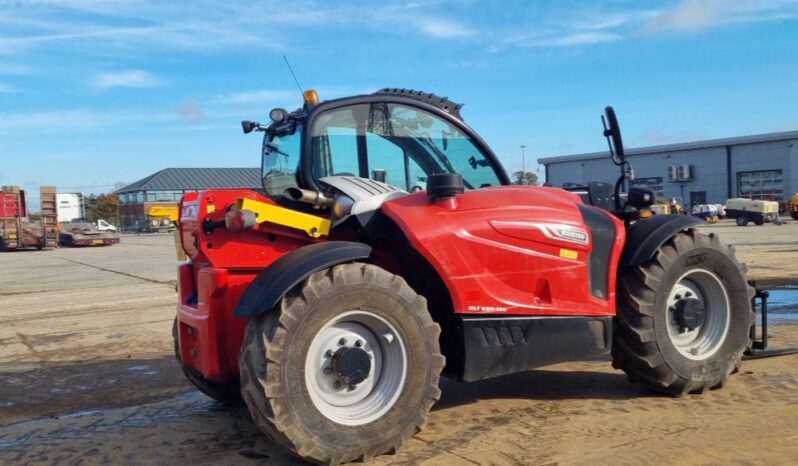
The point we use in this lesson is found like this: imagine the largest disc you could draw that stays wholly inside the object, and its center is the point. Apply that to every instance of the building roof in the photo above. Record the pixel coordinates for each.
(197, 179)
(735, 141)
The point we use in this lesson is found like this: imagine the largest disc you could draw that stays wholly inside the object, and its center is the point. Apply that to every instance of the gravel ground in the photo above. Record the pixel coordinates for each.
(87, 376)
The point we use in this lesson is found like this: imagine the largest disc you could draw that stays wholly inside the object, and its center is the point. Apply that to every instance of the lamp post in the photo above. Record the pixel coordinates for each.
(523, 164)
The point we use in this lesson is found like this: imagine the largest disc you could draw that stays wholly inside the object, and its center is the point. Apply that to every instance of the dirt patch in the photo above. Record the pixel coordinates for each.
(87, 376)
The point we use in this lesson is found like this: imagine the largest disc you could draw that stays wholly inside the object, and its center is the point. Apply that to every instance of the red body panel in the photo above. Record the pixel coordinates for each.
(493, 252)
(223, 263)
(494, 249)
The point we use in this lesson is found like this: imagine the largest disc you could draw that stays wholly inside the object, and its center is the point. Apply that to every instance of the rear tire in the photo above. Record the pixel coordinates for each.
(653, 345)
(742, 221)
(291, 365)
(759, 221)
(228, 393)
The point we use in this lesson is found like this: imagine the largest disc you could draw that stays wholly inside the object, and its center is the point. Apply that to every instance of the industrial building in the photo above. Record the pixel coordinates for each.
(763, 166)
(164, 189)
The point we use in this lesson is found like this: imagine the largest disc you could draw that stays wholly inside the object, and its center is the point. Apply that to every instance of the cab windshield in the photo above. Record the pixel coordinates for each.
(396, 144)
(280, 158)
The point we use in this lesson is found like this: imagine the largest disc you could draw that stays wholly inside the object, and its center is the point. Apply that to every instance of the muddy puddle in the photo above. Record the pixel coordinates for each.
(186, 428)
(783, 304)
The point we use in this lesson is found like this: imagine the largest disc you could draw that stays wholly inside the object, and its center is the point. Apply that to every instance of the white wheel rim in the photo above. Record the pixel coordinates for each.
(706, 339)
(368, 400)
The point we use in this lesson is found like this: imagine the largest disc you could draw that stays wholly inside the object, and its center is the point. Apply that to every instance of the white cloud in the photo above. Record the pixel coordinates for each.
(701, 14)
(34, 122)
(443, 28)
(573, 39)
(14, 69)
(127, 78)
(5, 88)
(257, 97)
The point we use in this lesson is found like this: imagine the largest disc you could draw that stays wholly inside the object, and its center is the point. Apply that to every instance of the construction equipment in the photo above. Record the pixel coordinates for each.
(669, 206)
(793, 206)
(160, 218)
(752, 210)
(334, 302)
(16, 230)
(707, 212)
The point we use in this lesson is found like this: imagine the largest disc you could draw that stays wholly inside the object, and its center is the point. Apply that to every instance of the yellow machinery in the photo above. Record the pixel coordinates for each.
(162, 217)
(673, 205)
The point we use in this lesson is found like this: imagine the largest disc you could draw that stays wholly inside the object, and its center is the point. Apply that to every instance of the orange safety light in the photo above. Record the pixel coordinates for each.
(311, 96)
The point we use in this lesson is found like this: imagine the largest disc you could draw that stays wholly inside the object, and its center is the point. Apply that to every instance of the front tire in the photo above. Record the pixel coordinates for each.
(346, 367)
(742, 221)
(684, 317)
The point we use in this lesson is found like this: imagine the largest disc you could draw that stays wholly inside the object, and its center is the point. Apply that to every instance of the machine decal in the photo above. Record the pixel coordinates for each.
(189, 211)
(487, 309)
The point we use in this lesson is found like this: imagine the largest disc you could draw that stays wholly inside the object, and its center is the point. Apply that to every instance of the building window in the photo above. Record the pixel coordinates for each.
(164, 195)
(764, 184)
(653, 183)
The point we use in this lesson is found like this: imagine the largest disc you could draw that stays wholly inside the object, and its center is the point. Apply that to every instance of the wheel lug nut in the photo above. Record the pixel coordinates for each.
(328, 353)
(342, 342)
(693, 351)
(677, 297)
(328, 370)
(337, 384)
(351, 387)
(359, 343)
(688, 294)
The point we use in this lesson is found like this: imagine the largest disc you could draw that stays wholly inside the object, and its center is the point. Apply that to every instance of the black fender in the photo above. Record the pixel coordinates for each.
(646, 235)
(277, 278)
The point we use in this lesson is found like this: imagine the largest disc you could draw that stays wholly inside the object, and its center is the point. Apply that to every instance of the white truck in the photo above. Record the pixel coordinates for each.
(749, 210)
(70, 206)
(102, 225)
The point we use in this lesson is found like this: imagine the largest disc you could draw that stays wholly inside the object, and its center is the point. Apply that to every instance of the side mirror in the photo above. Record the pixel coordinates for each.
(248, 126)
(613, 134)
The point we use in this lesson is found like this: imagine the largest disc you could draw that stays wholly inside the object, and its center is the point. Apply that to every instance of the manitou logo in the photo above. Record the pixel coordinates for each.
(571, 234)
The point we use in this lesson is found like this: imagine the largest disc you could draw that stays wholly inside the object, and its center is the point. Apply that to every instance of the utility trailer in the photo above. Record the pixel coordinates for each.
(17, 231)
(85, 234)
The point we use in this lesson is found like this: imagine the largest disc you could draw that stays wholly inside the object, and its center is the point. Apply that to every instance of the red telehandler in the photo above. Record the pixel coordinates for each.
(388, 247)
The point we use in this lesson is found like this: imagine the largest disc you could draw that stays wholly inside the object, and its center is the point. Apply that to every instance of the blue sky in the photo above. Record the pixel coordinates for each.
(98, 91)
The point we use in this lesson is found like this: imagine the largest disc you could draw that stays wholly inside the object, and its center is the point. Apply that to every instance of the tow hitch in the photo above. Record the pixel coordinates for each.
(759, 348)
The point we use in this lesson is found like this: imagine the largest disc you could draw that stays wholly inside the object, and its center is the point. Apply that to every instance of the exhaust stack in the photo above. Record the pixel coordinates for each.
(317, 199)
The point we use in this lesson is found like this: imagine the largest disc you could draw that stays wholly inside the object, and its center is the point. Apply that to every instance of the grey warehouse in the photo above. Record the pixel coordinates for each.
(763, 166)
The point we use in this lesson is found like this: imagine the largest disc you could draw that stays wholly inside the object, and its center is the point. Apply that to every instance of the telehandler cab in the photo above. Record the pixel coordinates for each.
(388, 248)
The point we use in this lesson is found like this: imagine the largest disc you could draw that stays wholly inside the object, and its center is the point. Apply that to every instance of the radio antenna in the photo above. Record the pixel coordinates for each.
(290, 70)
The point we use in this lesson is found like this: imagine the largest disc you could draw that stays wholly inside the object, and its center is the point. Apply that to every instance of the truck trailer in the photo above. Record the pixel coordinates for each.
(16, 229)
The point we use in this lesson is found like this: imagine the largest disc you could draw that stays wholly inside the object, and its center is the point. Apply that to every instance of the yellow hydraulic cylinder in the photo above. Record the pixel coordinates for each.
(312, 225)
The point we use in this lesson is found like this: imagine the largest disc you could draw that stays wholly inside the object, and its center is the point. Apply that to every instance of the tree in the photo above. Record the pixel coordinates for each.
(102, 206)
(119, 185)
(521, 177)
